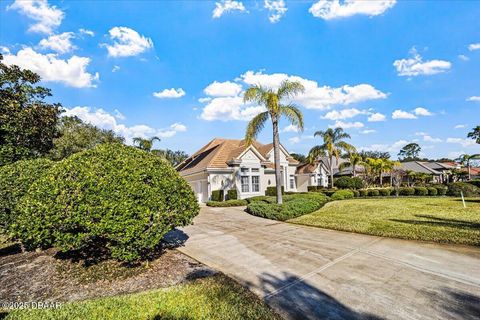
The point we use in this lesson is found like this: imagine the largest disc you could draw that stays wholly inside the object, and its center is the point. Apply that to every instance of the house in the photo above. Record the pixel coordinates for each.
(315, 174)
(224, 164)
(439, 171)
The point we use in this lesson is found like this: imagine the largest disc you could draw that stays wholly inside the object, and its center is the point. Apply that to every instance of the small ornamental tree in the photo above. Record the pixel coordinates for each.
(114, 198)
(15, 179)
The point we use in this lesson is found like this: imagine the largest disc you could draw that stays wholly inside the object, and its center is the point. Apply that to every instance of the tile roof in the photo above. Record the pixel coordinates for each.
(218, 152)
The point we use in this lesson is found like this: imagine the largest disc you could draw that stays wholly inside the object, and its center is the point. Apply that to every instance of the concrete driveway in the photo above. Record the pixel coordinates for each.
(313, 273)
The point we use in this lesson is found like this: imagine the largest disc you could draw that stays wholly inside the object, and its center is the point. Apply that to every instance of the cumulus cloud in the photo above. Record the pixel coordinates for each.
(393, 148)
(277, 9)
(375, 117)
(474, 46)
(400, 114)
(333, 9)
(429, 138)
(169, 93)
(86, 32)
(223, 89)
(343, 114)
(290, 128)
(347, 125)
(463, 57)
(367, 131)
(422, 112)
(461, 141)
(71, 72)
(225, 6)
(460, 126)
(229, 108)
(61, 43)
(474, 98)
(415, 65)
(105, 120)
(47, 18)
(127, 42)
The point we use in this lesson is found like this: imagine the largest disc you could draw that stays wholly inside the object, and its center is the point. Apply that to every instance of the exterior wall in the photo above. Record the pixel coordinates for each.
(303, 181)
(199, 184)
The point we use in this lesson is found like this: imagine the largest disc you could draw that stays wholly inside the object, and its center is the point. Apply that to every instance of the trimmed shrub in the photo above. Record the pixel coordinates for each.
(257, 198)
(373, 193)
(363, 192)
(115, 199)
(421, 191)
(15, 180)
(441, 190)
(469, 190)
(217, 195)
(288, 210)
(348, 183)
(384, 192)
(272, 191)
(356, 193)
(406, 191)
(342, 194)
(232, 194)
(475, 182)
(228, 203)
(432, 191)
(313, 188)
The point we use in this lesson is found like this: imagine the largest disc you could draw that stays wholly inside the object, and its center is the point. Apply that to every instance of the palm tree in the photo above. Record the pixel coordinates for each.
(332, 146)
(354, 160)
(145, 144)
(272, 100)
(465, 159)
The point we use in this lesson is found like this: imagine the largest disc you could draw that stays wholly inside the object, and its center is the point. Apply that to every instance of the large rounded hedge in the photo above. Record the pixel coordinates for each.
(112, 197)
(15, 179)
(457, 188)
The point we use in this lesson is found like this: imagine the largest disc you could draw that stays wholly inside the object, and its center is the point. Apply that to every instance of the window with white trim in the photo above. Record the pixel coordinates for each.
(245, 183)
(255, 183)
(292, 182)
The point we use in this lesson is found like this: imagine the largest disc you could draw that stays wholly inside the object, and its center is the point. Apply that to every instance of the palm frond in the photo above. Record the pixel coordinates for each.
(345, 146)
(317, 151)
(255, 126)
(289, 89)
(293, 114)
(255, 94)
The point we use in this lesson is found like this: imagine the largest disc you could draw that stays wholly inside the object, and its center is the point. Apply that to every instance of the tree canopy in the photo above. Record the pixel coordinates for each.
(410, 152)
(475, 134)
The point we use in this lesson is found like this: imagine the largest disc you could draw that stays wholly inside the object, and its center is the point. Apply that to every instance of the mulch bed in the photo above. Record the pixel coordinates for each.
(43, 276)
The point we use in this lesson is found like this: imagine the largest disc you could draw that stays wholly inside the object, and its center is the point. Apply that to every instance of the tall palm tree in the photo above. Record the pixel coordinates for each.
(354, 160)
(333, 145)
(145, 144)
(272, 100)
(465, 159)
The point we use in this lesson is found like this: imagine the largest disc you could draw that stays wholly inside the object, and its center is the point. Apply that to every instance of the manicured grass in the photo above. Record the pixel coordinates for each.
(216, 297)
(439, 219)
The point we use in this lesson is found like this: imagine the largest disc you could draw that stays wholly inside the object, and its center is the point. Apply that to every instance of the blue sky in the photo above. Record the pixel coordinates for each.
(389, 72)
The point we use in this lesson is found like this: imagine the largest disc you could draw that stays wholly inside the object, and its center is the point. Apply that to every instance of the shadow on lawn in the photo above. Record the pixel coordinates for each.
(469, 200)
(294, 298)
(443, 222)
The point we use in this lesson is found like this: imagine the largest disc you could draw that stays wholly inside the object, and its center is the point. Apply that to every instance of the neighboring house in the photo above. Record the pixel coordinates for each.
(439, 171)
(315, 174)
(225, 164)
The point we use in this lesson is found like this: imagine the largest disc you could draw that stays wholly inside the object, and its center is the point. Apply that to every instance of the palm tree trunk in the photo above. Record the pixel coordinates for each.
(469, 175)
(353, 167)
(276, 159)
(331, 171)
(381, 178)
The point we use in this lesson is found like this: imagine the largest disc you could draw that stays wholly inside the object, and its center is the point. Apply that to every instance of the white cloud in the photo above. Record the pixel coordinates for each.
(119, 115)
(87, 32)
(229, 108)
(127, 42)
(343, 114)
(277, 9)
(47, 17)
(115, 68)
(204, 99)
(460, 126)
(400, 114)
(428, 138)
(71, 72)
(347, 125)
(474, 98)
(394, 147)
(415, 66)
(474, 46)
(461, 141)
(105, 120)
(367, 131)
(223, 89)
(60, 43)
(375, 117)
(295, 140)
(455, 154)
(290, 128)
(316, 97)
(332, 9)
(224, 6)
(422, 112)
(169, 93)
(463, 57)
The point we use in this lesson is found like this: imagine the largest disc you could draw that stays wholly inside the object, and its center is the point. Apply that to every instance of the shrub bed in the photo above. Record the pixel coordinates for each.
(348, 183)
(373, 193)
(232, 194)
(384, 192)
(421, 191)
(112, 198)
(272, 191)
(406, 191)
(469, 190)
(363, 192)
(475, 182)
(432, 191)
(342, 194)
(356, 193)
(217, 195)
(15, 180)
(228, 203)
(441, 190)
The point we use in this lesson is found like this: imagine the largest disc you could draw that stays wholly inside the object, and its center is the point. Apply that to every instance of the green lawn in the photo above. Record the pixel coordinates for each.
(216, 297)
(440, 219)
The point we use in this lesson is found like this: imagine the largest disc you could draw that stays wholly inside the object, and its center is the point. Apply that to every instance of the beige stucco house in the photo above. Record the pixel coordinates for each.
(225, 164)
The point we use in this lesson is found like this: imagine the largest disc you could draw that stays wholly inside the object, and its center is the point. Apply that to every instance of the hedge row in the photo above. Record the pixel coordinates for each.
(227, 203)
(112, 199)
(403, 191)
